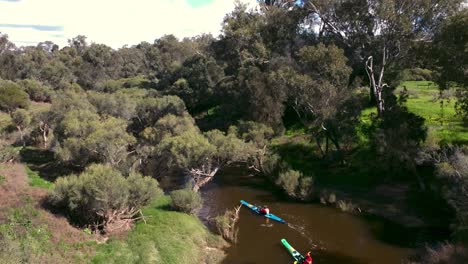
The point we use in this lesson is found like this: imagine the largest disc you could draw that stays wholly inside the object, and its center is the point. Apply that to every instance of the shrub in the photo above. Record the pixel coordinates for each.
(36, 90)
(327, 198)
(12, 96)
(295, 184)
(289, 181)
(186, 200)
(226, 224)
(443, 254)
(416, 74)
(347, 206)
(102, 195)
(9, 154)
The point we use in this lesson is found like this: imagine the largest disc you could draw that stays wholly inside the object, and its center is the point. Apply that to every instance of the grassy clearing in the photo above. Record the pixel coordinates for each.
(443, 123)
(36, 181)
(168, 237)
(25, 237)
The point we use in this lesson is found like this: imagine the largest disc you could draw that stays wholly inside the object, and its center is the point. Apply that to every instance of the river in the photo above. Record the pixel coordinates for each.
(332, 236)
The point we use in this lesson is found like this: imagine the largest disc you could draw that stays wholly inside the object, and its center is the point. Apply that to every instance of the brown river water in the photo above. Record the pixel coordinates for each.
(332, 236)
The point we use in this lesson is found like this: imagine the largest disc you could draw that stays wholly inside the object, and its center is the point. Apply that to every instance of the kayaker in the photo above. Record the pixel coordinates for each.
(308, 259)
(264, 210)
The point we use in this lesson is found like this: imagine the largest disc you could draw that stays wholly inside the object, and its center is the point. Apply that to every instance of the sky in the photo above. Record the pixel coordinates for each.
(112, 22)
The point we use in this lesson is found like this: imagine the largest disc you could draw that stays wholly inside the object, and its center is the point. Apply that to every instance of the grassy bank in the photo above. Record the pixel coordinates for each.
(445, 126)
(360, 179)
(167, 237)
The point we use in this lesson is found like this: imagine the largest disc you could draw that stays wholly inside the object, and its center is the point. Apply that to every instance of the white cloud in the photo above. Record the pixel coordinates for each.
(113, 22)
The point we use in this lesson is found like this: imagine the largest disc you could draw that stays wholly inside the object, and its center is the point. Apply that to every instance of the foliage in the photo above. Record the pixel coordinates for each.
(452, 168)
(226, 224)
(12, 96)
(102, 195)
(86, 138)
(150, 110)
(186, 200)
(295, 184)
(398, 137)
(443, 254)
(195, 82)
(21, 119)
(450, 56)
(9, 154)
(415, 74)
(200, 155)
(117, 105)
(36, 90)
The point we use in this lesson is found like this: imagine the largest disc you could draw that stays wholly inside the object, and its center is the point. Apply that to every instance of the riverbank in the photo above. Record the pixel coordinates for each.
(29, 231)
(166, 237)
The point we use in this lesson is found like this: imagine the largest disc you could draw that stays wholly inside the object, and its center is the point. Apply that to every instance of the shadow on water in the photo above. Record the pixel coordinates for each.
(403, 236)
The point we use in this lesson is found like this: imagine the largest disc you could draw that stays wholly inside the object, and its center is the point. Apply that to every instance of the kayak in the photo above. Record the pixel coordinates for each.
(257, 210)
(294, 253)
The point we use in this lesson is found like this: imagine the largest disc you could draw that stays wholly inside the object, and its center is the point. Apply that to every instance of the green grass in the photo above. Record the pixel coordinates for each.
(443, 123)
(2, 179)
(36, 181)
(168, 237)
(25, 237)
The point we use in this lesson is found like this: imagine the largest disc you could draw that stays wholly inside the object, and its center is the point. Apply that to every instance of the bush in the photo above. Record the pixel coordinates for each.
(12, 96)
(186, 200)
(416, 74)
(289, 181)
(36, 90)
(102, 195)
(295, 184)
(9, 154)
(443, 254)
(226, 224)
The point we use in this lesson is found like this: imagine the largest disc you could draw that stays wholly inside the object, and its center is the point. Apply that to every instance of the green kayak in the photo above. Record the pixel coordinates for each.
(294, 253)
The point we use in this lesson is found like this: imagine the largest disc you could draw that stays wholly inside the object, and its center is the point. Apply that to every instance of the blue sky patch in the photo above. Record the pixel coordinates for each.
(199, 3)
(36, 27)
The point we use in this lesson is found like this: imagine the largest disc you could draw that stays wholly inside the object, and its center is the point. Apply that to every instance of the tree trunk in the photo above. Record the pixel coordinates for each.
(45, 134)
(21, 135)
(377, 85)
(201, 177)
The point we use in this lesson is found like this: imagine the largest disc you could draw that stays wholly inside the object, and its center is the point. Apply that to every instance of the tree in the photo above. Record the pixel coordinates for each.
(200, 156)
(12, 96)
(43, 122)
(36, 90)
(103, 198)
(150, 110)
(376, 33)
(195, 82)
(320, 96)
(87, 137)
(450, 58)
(117, 105)
(21, 119)
(169, 126)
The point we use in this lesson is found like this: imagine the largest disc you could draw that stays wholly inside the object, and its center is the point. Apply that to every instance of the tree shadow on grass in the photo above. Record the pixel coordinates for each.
(45, 163)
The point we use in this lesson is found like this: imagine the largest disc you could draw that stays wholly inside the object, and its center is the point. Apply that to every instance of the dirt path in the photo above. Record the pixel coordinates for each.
(14, 187)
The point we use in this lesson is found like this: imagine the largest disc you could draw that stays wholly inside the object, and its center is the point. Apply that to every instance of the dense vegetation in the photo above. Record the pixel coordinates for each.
(314, 96)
